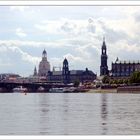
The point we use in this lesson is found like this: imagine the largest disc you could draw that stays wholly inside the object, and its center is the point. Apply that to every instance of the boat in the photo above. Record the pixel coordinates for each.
(19, 89)
(41, 89)
(69, 89)
(56, 90)
(81, 89)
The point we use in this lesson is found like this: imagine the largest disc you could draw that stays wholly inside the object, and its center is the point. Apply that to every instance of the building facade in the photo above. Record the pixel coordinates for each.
(44, 65)
(124, 68)
(103, 67)
(70, 76)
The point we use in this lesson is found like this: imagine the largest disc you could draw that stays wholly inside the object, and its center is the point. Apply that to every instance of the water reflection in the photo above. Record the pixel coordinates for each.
(104, 114)
(65, 113)
(44, 110)
(54, 113)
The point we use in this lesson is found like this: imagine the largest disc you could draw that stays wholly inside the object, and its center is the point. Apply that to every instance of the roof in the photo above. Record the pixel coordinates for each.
(89, 72)
(9, 74)
(76, 71)
(127, 61)
(56, 72)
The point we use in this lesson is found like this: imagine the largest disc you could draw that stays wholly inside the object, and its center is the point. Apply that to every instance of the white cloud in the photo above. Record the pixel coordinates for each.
(66, 26)
(23, 55)
(15, 60)
(80, 40)
(20, 32)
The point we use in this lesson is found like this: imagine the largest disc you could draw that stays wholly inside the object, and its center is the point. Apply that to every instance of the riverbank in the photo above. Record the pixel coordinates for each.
(126, 89)
(102, 91)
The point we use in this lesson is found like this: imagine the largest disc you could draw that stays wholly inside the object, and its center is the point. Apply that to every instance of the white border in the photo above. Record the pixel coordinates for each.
(70, 137)
(70, 3)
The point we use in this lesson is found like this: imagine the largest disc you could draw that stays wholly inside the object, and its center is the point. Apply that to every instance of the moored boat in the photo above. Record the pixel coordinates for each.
(56, 90)
(69, 89)
(19, 89)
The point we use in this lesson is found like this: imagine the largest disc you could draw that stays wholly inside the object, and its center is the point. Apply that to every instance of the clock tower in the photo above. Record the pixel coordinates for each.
(103, 67)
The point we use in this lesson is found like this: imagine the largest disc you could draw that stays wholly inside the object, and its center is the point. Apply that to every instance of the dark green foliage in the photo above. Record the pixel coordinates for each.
(106, 79)
(76, 83)
(135, 77)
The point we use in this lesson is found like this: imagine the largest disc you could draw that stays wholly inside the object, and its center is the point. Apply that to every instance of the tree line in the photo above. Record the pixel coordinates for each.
(134, 78)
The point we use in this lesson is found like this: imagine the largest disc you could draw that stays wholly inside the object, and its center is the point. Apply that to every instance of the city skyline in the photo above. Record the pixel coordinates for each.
(74, 32)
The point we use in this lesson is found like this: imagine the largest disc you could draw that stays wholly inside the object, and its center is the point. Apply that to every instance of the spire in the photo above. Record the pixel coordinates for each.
(103, 38)
(117, 59)
(65, 61)
(104, 45)
(35, 71)
(44, 52)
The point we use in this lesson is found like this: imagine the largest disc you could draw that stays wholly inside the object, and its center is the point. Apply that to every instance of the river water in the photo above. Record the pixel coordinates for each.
(69, 114)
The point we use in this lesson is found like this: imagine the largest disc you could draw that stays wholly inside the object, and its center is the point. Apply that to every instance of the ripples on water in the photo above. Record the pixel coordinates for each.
(69, 114)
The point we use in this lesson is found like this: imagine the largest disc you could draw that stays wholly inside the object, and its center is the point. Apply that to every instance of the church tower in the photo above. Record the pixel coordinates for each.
(66, 72)
(35, 71)
(104, 67)
(44, 65)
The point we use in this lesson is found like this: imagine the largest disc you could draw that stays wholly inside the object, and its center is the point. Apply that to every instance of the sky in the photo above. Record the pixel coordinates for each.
(72, 32)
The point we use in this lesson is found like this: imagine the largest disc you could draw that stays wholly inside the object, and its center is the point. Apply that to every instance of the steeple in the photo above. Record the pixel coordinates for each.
(104, 67)
(65, 62)
(35, 71)
(117, 59)
(104, 46)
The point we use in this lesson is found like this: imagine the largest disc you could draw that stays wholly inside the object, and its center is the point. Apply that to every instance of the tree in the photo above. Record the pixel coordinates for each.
(125, 81)
(120, 81)
(135, 77)
(106, 79)
(76, 83)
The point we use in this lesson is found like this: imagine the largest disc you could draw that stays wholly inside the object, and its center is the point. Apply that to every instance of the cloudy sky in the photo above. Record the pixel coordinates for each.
(74, 32)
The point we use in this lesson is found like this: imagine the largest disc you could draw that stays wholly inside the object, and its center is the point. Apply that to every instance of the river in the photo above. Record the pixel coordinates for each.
(69, 114)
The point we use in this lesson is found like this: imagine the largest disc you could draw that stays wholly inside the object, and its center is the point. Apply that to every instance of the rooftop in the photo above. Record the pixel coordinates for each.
(127, 61)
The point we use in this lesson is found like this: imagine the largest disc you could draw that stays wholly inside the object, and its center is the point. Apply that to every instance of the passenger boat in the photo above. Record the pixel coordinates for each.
(19, 89)
(69, 89)
(41, 89)
(56, 90)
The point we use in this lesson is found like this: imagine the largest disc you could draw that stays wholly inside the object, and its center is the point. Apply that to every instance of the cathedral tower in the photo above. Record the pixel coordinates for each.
(66, 72)
(104, 67)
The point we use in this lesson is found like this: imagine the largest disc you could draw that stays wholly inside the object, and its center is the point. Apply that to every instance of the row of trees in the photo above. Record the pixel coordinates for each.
(134, 78)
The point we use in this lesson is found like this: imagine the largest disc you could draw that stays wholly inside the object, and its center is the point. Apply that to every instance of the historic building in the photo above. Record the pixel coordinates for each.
(70, 76)
(104, 67)
(44, 65)
(119, 68)
(124, 68)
